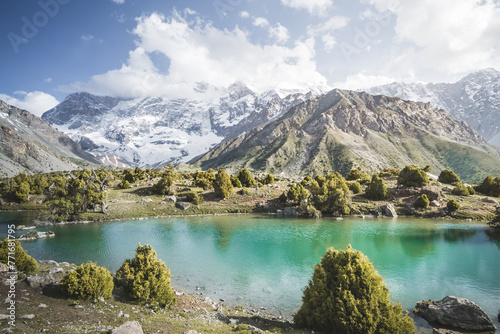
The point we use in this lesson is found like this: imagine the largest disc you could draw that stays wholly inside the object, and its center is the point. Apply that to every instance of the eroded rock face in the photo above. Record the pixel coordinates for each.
(388, 210)
(454, 313)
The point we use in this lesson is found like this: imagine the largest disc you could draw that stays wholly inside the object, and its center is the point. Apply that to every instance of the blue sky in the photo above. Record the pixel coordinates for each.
(132, 48)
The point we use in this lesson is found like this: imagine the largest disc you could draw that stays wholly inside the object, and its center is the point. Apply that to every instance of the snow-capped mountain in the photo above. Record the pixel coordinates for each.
(474, 99)
(150, 132)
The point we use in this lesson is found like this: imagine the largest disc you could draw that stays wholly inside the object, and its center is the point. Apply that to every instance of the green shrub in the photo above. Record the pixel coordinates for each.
(222, 184)
(269, 179)
(194, 198)
(330, 194)
(386, 172)
(347, 295)
(297, 193)
(377, 189)
(354, 186)
(236, 182)
(490, 186)
(422, 202)
(452, 205)
(412, 176)
(244, 191)
(21, 192)
(164, 186)
(88, 281)
(146, 278)
(23, 261)
(357, 175)
(124, 184)
(460, 190)
(448, 176)
(246, 178)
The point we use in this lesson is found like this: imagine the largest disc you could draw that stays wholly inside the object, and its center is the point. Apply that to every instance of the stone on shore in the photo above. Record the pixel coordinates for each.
(41, 280)
(183, 205)
(454, 313)
(388, 210)
(129, 327)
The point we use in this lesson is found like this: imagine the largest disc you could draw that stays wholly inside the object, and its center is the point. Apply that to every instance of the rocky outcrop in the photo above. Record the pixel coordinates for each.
(129, 327)
(388, 210)
(454, 313)
(41, 280)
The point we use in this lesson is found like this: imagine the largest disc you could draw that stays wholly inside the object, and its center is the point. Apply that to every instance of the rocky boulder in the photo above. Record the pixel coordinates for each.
(129, 327)
(454, 313)
(183, 205)
(41, 280)
(388, 210)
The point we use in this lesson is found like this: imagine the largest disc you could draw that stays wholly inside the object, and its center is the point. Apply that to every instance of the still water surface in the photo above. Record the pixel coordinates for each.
(267, 261)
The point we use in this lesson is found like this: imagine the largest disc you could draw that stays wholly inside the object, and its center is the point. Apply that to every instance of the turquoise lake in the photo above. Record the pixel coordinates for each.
(266, 261)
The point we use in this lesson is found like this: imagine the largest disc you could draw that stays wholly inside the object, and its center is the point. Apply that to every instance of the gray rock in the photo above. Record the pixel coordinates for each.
(388, 210)
(183, 205)
(42, 306)
(3, 316)
(120, 314)
(171, 199)
(443, 331)
(290, 211)
(130, 327)
(436, 204)
(56, 270)
(192, 331)
(490, 200)
(3, 268)
(28, 316)
(7, 330)
(454, 313)
(41, 280)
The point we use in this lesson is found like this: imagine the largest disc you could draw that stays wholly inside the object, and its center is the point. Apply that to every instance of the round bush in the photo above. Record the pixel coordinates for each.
(377, 189)
(448, 176)
(23, 261)
(88, 281)
(146, 278)
(412, 176)
(347, 295)
(422, 202)
(452, 205)
(222, 184)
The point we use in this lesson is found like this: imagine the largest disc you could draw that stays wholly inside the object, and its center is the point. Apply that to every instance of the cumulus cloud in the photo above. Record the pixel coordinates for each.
(279, 33)
(312, 6)
(118, 1)
(87, 37)
(244, 14)
(35, 102)
(452, 36)
(199, 52)
(260, 22)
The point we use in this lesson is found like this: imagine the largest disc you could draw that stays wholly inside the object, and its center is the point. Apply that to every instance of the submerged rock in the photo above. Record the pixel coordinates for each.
(454, 313)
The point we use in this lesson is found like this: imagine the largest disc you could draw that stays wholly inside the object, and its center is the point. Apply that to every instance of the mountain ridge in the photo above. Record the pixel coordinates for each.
(474, 99)
(345, 129)
(30, 144)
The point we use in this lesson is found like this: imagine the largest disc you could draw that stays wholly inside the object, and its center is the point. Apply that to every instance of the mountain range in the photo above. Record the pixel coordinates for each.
(343, 129)
(30, 144)
(150, 132)
(474, 99)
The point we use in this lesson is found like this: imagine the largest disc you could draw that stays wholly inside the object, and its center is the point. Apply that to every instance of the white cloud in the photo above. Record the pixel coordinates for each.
(326, 30)
(260, 22)
(87, 37)
(48, 80)
(35, 102)
(312, 6)
(244, 14)
(199, 52)
(449, 36)
(118, 1)
(279, 33)
(362, 81)
(190, 11)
